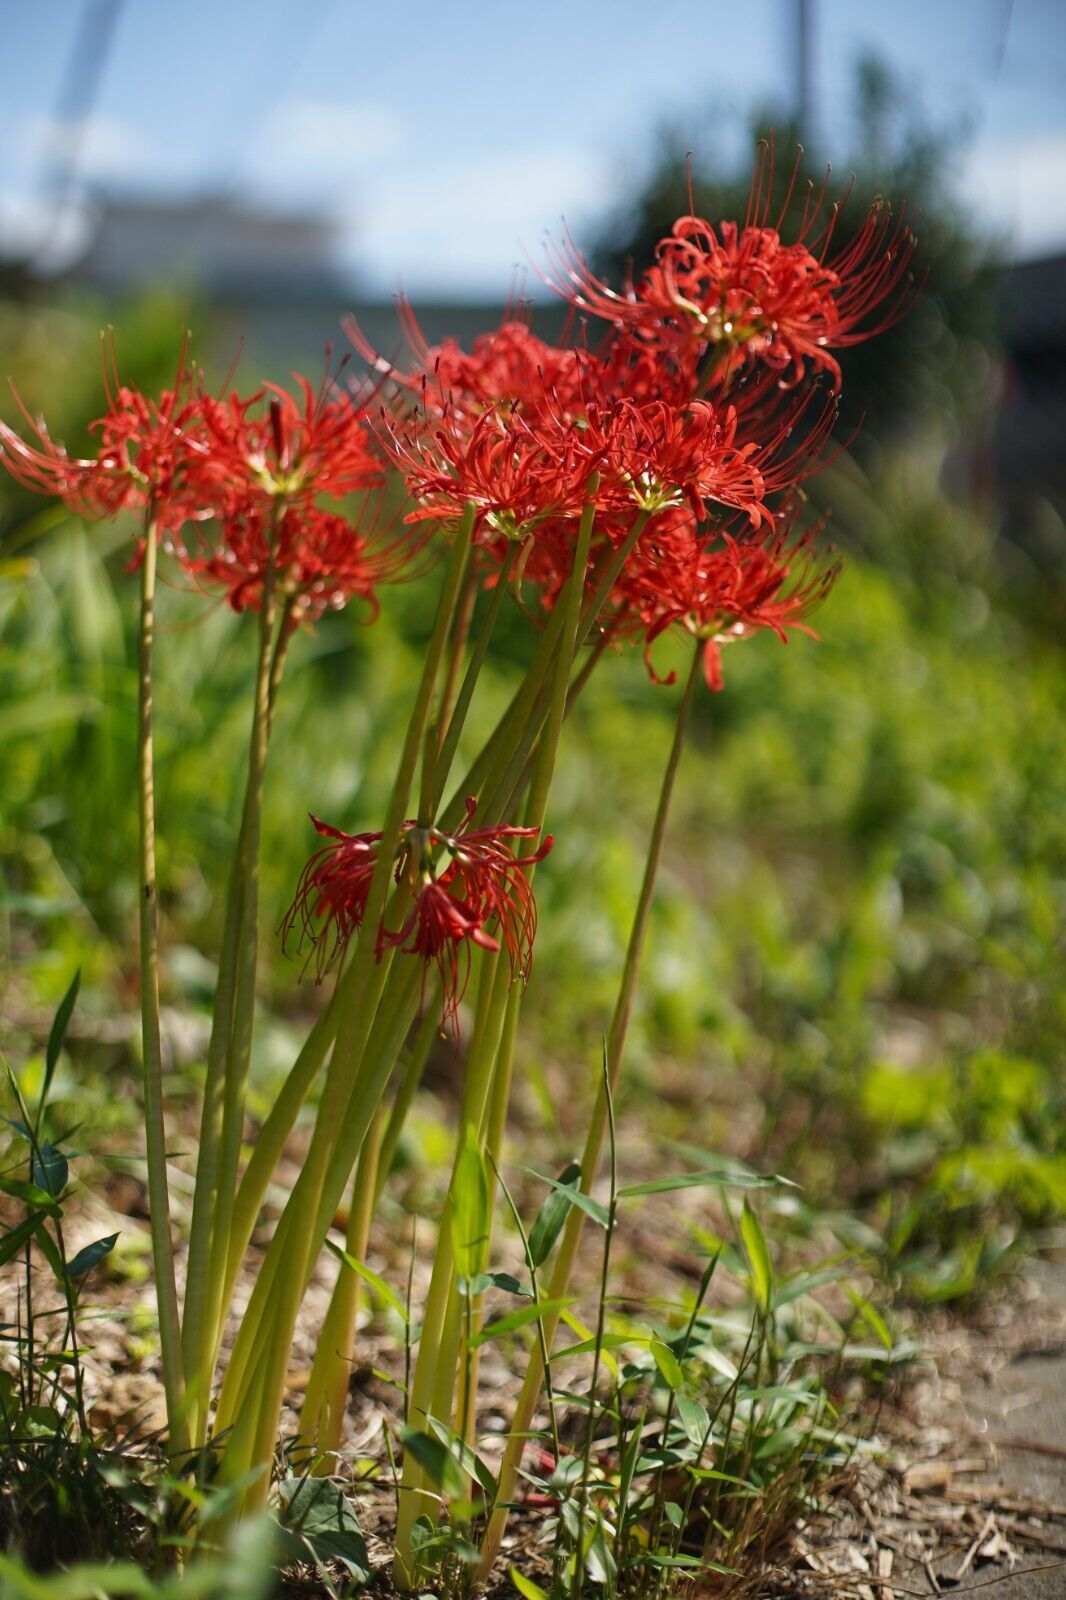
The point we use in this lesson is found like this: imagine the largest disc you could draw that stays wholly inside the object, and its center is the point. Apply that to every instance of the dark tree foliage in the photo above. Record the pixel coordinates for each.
(934, 361)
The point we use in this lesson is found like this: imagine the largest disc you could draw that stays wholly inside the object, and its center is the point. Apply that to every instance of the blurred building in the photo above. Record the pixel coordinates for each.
(1030, 440)
(224, 249)
(274, 281)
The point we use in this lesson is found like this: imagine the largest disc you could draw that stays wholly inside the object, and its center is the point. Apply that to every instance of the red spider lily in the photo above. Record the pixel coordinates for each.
(721, 593)
(515, 475)
(509, 365)
(294, 449)
(460, 882)
(657, 455)
(332, 893)
(321, 561)
(744, 292)
(146, 450)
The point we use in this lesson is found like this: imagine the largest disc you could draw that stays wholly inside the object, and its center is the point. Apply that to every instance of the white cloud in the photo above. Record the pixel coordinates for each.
(33, 229)
(330, 137)
(465, 225)
(1020, 187)
(102, 147)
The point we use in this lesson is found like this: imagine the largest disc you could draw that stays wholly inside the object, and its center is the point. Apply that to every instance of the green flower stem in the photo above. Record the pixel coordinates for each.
(464, 616)
(237, 1063)
(381, 1053)
(414, 1067)
(432, 1390)
(548, 698)
(270, 1143)
(573, 694)
(434, 1371)
(488, 767)
(453, 727)
(392, 1024)
(197, 1290)
(158, 1189)
(322, 1414)
(590, 1160)
(538, 772)
(255, 1331)
(277, 1293)
(231, 1038)
(492, 1135)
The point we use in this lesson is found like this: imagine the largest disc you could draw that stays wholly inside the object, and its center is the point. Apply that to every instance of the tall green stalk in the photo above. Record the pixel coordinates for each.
(231, 1033)
(590, 1160)
(158, 1188)
(240, 1048)
(432, 1391)
(322, 1415)
(279, 1288)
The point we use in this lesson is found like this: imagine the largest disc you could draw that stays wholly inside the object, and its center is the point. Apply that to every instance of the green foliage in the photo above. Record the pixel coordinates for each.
(714, 1430)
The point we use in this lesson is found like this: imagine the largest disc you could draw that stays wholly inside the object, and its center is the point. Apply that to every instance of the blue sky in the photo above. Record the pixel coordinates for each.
(448, 136)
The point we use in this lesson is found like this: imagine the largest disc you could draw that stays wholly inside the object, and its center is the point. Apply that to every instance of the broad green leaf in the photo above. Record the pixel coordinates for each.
(91, 1256)
(363, 1271)
(470, 1209)
(436, 1461)
(467, 1458)
(759, 1261)
(38, 1422)
(508, 1283)
(607, 1341)
(50, 1169)
(871, 1316)
(56, 1037)
(50, 1250)
(12, 1241)
(667, 1363)
(575, 1197)
(718, 1362)
(718, 1178)
(575, 1324)
(526, 1587)
(318, 1517)
(519, 1319)
(30, 1193)
(693, 1418)
(553, 1214)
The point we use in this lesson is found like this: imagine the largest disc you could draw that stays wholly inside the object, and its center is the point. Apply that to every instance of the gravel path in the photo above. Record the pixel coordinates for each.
(1022, 1412)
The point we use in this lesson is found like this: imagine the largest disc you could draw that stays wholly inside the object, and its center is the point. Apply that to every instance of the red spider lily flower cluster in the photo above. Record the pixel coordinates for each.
(703, 397)
(720, 593)
(461, 884)
(144, 449)
(250, 472)
(321, 561)
(744, 293)
(287, 449)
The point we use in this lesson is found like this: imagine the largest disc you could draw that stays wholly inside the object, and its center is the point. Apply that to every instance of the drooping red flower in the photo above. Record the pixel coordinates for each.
(462, 885)
(745, 293)
(331, 896)
(147, 450)
(321, 561)
(723, 590)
